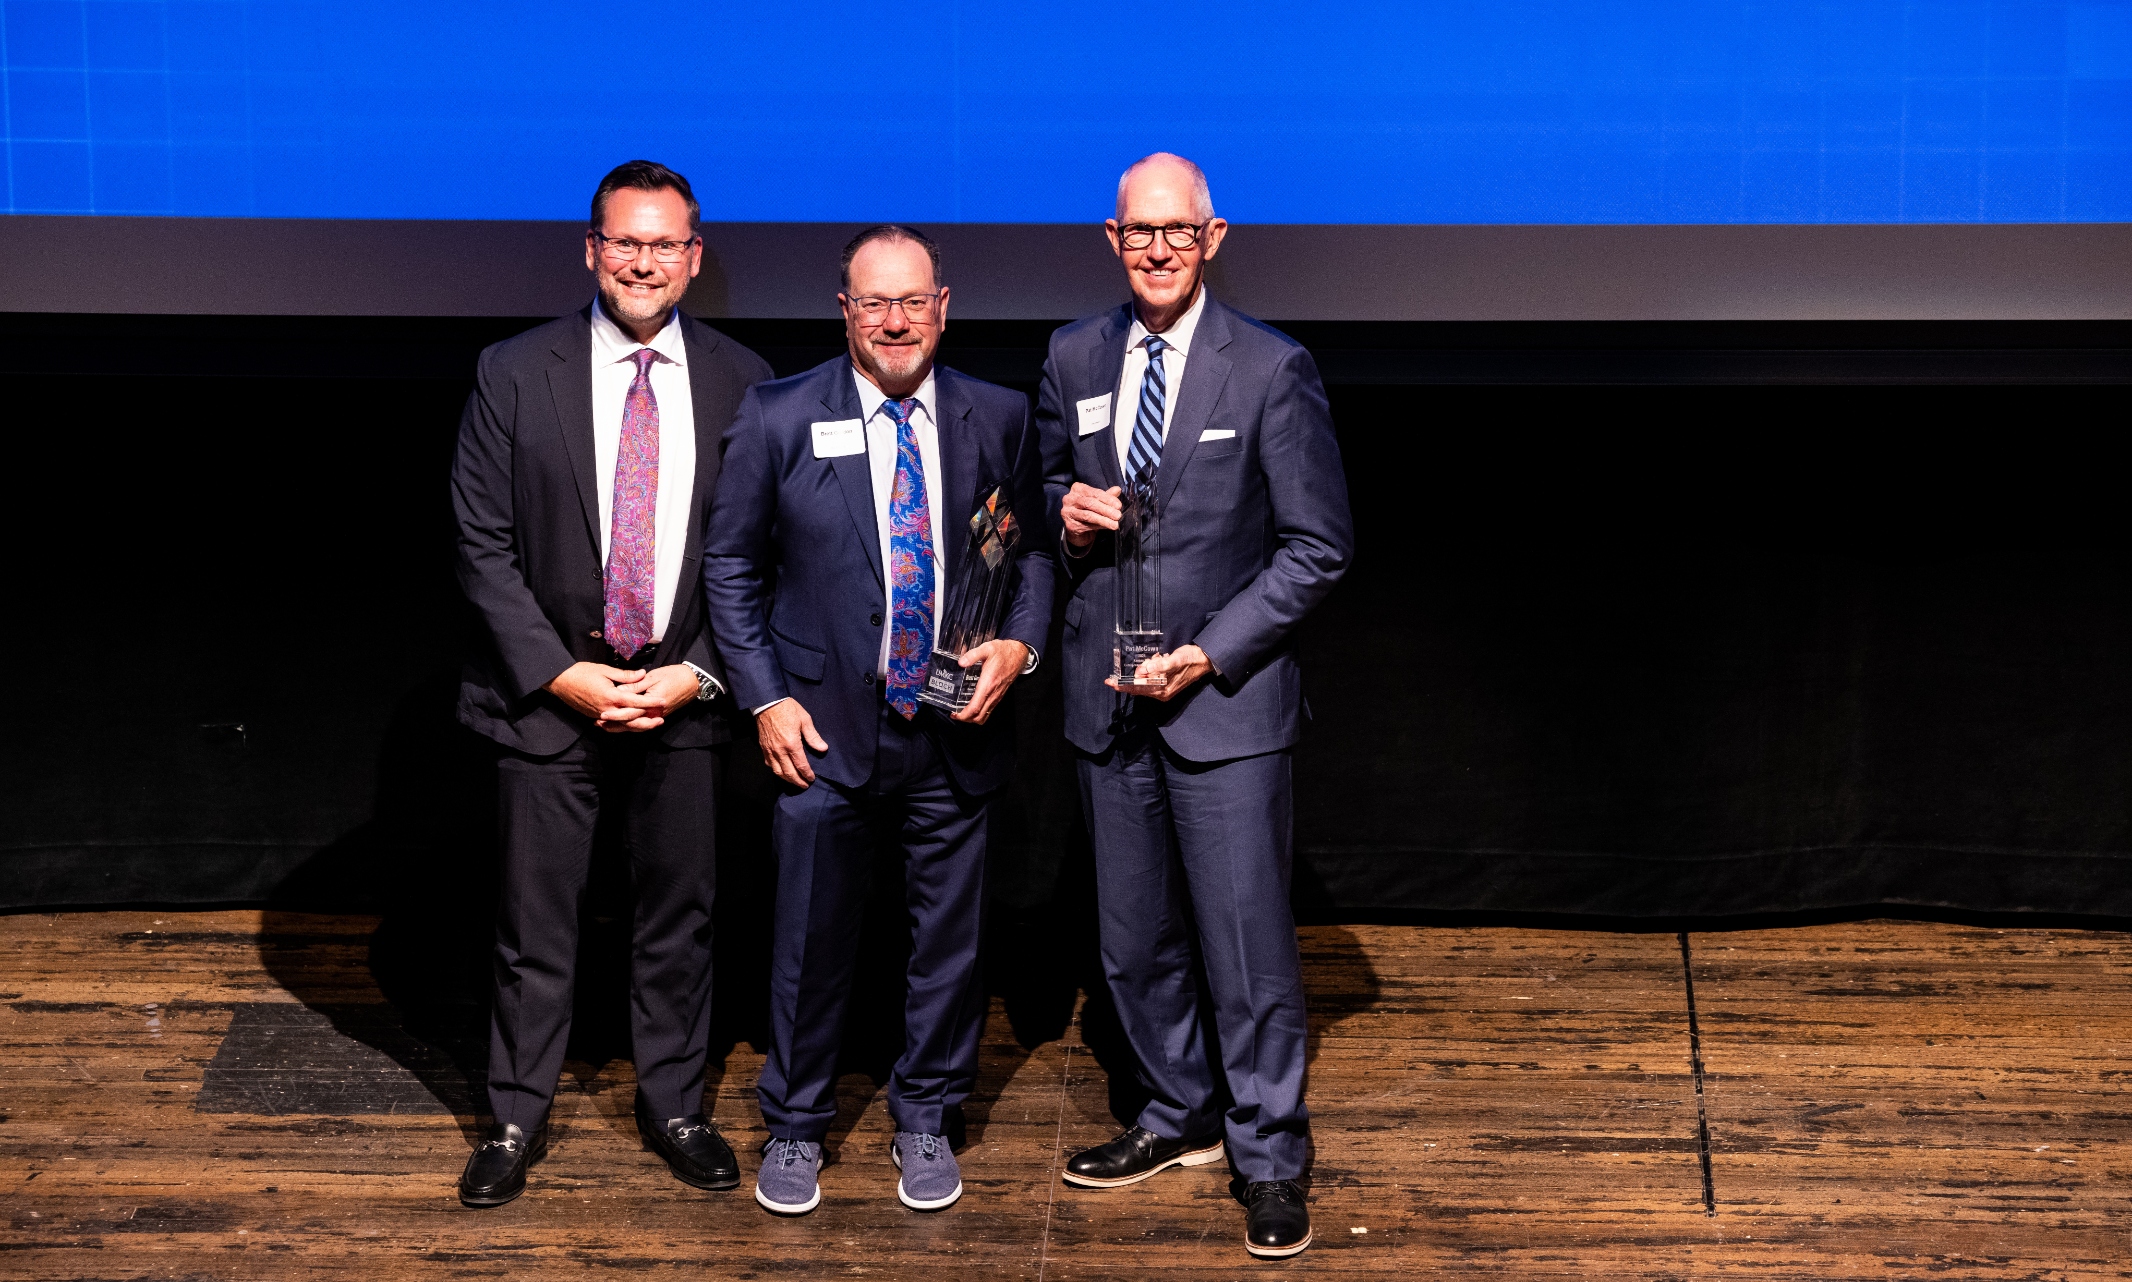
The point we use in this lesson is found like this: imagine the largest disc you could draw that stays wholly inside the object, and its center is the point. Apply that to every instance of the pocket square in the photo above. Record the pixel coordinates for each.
(1217, 434)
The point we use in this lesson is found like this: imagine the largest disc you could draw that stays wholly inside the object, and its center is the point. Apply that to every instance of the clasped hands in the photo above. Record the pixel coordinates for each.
(787, 731)
(1087, 510)
(621, 700)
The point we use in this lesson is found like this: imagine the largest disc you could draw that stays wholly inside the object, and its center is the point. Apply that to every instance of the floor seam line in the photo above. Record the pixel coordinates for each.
(1695, 1064)
(1051, 1170)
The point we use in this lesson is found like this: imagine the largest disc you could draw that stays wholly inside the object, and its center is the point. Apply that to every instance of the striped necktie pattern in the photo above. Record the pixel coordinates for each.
(1145, 454)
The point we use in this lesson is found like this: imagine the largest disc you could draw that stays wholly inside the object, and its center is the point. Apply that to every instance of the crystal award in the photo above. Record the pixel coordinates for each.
(1139, 548)
(978, 604)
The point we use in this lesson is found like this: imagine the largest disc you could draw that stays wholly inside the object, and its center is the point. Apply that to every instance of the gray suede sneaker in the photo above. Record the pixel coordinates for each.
(930, 1180)
(786, 1183)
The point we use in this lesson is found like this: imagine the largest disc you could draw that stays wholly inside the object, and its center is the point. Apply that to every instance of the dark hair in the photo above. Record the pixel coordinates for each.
(643, 175)
(890, 231)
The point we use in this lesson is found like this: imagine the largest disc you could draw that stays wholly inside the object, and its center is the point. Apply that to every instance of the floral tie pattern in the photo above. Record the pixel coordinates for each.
(910, 568)
(631, 581)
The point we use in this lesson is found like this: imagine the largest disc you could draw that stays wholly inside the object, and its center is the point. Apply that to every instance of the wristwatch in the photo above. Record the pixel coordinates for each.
(707, 686)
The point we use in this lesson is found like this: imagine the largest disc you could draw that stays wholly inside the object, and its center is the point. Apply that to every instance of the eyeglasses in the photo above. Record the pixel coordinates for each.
(918, 307)
(1142, 235)
(621, 249)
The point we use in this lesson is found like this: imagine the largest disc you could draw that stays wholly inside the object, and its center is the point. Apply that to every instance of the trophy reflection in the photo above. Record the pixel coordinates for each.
(1139, 545)
(978, 605)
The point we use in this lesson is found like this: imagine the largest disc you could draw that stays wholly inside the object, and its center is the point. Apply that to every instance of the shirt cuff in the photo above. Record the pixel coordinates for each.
(1030, 666)
(766, 707)
(717, 686)
(1071, 550)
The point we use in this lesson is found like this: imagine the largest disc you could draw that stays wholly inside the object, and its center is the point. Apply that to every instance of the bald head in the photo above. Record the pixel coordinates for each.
(1167, 180)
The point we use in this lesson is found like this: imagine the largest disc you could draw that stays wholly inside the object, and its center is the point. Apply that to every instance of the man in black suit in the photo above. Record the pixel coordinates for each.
(585, 464)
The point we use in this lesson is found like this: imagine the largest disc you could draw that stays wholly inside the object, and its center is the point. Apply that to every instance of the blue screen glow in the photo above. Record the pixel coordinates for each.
(1329, 111)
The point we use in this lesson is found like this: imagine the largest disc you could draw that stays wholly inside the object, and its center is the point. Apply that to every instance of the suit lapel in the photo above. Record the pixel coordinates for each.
(1206, 370)
(1106, 366)
(701, 341)
(854, 472)
(961, 470)
(570, 383)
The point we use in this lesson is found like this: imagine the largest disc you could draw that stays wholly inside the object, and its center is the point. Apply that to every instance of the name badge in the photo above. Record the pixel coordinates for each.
(835, 440)
(1095, 413)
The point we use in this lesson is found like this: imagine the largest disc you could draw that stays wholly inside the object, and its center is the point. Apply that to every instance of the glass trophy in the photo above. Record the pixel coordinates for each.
(978, 605)
(1139, 546)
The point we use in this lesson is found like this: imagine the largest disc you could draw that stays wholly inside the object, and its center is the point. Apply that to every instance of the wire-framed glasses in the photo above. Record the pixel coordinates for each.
(918, 307)
(624, 250)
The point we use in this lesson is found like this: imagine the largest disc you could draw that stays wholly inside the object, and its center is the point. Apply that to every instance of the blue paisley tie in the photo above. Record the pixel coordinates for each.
(910, 568)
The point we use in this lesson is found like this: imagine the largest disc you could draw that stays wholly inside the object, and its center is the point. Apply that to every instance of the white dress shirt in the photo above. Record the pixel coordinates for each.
(1127, 402)
(612, 373)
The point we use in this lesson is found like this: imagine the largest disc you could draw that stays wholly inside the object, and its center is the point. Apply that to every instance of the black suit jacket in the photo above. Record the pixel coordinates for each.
(528, 505)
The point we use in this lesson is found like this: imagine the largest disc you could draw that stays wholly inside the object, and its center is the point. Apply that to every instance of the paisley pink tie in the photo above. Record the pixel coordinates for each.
(632, 579)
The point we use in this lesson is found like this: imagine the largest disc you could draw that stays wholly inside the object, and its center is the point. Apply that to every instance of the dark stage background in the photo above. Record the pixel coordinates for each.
(1649, 620)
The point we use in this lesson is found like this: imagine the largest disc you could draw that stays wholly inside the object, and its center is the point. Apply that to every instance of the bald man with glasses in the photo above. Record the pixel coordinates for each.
(1222, 424)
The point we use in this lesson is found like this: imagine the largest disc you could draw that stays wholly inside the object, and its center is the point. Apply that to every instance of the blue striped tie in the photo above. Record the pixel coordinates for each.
(1146, 452)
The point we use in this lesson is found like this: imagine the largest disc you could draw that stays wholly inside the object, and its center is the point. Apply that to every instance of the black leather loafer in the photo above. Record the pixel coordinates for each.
(1134, 1156)
(496, 1172)
(694, 1150)
(1276, 1220)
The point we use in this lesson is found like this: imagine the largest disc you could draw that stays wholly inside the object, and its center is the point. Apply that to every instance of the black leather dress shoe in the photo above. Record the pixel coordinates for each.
(1276, 1220)
(496, 1172)
(1134, 1156)
(694, 1150)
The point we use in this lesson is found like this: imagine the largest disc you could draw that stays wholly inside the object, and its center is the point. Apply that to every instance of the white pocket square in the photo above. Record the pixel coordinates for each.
(1217, 434)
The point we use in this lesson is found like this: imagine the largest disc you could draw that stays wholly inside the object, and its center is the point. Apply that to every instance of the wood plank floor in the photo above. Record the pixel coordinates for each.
(1883, 1099)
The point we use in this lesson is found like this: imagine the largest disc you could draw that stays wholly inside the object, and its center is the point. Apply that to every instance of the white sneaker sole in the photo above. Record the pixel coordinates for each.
(1198, 1157)
(896, 1155)
(1277, 1252)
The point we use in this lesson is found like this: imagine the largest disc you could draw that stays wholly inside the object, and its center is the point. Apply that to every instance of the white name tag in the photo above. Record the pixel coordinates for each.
(1095, 413)
(835, 440)
(1218, 434)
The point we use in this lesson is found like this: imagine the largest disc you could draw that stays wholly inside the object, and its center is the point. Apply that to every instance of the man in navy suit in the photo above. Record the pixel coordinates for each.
(841, 519)
(1187, 789)
(584, 468)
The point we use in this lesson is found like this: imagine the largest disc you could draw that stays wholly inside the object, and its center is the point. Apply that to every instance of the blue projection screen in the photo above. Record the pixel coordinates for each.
(1525, 111)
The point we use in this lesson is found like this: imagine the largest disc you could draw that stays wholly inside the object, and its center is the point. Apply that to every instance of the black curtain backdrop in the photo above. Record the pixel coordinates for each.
(1610, 646)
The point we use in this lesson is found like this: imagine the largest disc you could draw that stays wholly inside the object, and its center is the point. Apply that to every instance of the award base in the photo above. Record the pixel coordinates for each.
(949, 685)
(1128, 652)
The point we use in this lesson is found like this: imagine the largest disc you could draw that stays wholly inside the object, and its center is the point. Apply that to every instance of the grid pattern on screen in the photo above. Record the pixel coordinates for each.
(1342, 111)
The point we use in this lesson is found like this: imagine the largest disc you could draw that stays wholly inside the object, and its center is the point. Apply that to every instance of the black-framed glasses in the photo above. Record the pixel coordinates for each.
(624, 250)
(918, 307)
(1178, 235)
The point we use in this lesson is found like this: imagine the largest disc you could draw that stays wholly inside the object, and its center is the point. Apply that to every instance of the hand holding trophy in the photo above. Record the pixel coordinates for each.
(978, 605)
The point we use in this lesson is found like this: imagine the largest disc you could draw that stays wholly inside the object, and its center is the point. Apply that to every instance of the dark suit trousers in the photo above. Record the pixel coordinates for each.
(1196, 856)
(549, 806)
(826, 837)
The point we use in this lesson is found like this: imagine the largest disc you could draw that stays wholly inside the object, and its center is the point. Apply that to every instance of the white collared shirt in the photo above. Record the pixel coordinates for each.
(1127, 401)
(881, 466)
(613, 371)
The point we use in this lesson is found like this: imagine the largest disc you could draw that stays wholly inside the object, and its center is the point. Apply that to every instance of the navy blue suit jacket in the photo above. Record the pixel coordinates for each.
(528, 507)
(792, 568)
(1255, 527)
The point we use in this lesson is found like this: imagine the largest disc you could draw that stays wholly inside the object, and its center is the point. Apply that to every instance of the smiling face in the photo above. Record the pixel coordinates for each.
(639, 293)
(1161, 192)
(893, 349)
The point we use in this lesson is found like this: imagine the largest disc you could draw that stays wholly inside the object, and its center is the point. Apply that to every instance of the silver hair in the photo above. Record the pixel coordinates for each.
(1202, 199)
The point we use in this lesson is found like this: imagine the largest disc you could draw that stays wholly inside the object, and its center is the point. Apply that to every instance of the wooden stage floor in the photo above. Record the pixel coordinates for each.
(1883, 1099)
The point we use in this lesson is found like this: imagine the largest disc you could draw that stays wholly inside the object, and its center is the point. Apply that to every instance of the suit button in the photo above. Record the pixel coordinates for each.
(595, 634)
(869, 678)
(875, 618)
